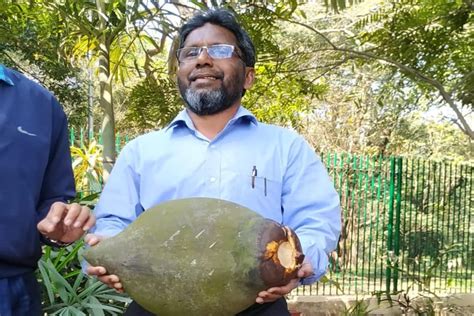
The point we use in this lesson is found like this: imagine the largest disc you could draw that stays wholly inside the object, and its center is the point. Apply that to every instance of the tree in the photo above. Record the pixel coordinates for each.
(111, 32)
(29, 41)
(429, 42)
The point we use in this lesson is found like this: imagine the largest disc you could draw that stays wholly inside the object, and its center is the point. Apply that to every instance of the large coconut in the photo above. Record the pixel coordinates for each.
(199, 256)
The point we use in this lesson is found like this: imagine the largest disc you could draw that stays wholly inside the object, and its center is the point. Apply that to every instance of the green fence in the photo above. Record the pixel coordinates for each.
(81, 137)
(405, 222)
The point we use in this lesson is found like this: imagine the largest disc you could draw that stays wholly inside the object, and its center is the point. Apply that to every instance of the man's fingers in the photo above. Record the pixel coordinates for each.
(82, 217)
(73, 211)
(54, 216)
(274, 293)
(92, 239)
(56, 212)
(283, 290)
(305, 271)
(111, 281)
(90, 221)
(46, 226)
(266, 297)
(97, 271)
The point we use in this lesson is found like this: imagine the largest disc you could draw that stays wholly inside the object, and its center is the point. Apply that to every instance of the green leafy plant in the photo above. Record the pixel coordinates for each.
(423, 300)
(359, 308)
(88, 167)
(67, 291)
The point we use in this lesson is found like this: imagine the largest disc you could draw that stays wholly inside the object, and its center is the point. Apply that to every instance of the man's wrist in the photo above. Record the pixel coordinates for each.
(54, 243)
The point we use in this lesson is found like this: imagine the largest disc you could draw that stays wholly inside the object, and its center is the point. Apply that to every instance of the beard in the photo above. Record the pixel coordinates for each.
(208, 102)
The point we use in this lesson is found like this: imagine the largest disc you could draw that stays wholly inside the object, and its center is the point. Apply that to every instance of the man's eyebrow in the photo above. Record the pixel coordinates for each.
(210, 44)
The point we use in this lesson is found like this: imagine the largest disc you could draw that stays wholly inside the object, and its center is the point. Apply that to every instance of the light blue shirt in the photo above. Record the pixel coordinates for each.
(179, 162)
(4, 77)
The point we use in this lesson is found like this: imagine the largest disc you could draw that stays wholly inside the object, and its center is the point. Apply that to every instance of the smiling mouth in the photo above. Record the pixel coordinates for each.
(206, 78)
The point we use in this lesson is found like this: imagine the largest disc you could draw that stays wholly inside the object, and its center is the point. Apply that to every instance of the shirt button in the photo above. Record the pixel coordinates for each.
(212, 179)
(213, 146)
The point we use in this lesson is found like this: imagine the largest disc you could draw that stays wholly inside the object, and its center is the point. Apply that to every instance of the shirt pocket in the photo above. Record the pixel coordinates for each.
(260, 193)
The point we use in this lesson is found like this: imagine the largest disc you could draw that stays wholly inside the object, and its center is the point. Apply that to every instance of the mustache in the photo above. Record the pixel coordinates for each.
(202, 74)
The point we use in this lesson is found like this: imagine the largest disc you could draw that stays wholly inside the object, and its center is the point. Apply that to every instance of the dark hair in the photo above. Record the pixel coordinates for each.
(225, 19)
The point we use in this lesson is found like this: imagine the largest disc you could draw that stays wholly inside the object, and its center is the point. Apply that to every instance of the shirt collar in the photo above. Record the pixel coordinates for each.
(183, 118)
(4, 76)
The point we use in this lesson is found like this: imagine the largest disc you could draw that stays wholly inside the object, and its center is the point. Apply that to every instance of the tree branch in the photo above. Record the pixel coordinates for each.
(137, 34)
(404, 68)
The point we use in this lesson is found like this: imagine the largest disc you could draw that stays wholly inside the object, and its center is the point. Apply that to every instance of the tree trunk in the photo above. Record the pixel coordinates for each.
(105, 95)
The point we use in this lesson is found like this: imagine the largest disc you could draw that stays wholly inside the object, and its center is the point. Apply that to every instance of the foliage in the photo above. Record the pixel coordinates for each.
(368, 107)
(431, 43)
(307, 72)
(419, 135)
(152, 104)
(359, 308)
(433, 37)
(30, 41)
(67, 291)
(281, 97)
(418, 298)
(87, 166)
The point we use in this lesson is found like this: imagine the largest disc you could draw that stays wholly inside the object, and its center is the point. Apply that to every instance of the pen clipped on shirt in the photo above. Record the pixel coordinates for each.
(254, 176)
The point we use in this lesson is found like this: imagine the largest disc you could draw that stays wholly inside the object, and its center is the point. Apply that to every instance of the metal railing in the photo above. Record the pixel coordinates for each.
(81, 137)
(407, 224)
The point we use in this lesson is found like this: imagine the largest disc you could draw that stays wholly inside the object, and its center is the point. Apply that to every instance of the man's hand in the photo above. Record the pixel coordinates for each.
(111, 280)
(66, 222)
(274, 293)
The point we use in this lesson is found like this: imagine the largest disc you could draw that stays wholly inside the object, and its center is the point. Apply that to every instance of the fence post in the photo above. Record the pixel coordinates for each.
(81, 137)
(393, 226)
(388, 269)
(117, 143)
(398, 207)
(72, 136)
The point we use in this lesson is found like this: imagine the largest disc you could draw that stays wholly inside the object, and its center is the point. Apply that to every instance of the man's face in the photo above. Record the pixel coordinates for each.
(207, 85)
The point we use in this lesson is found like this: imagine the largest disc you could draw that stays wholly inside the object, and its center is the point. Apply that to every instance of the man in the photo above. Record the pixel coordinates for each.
(216, 148)
(36, 181)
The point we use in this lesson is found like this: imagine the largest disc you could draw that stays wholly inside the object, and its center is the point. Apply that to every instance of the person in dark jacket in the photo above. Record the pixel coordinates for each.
(36, 183)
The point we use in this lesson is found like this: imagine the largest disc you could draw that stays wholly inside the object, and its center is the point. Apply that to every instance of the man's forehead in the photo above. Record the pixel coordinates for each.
(210, 34)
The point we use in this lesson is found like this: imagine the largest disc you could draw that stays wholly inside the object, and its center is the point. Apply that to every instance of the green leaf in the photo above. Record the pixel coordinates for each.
(46, 280)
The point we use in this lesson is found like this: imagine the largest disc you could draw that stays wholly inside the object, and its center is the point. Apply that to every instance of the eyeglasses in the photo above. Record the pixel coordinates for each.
(218, 51)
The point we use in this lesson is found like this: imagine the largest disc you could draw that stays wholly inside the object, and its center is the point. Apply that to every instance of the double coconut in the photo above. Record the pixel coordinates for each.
(199, 256)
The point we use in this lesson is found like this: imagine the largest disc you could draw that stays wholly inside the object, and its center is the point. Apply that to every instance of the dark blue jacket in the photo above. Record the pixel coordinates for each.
(35, 168)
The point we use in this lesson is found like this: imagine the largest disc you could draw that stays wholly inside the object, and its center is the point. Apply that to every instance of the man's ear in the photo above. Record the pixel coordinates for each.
(249, 77)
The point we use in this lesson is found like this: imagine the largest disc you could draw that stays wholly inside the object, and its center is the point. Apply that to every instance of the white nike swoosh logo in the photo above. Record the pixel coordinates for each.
(21, 130)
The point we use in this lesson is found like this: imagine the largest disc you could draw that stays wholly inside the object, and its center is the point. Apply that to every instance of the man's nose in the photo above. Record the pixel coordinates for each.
(204, 58)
